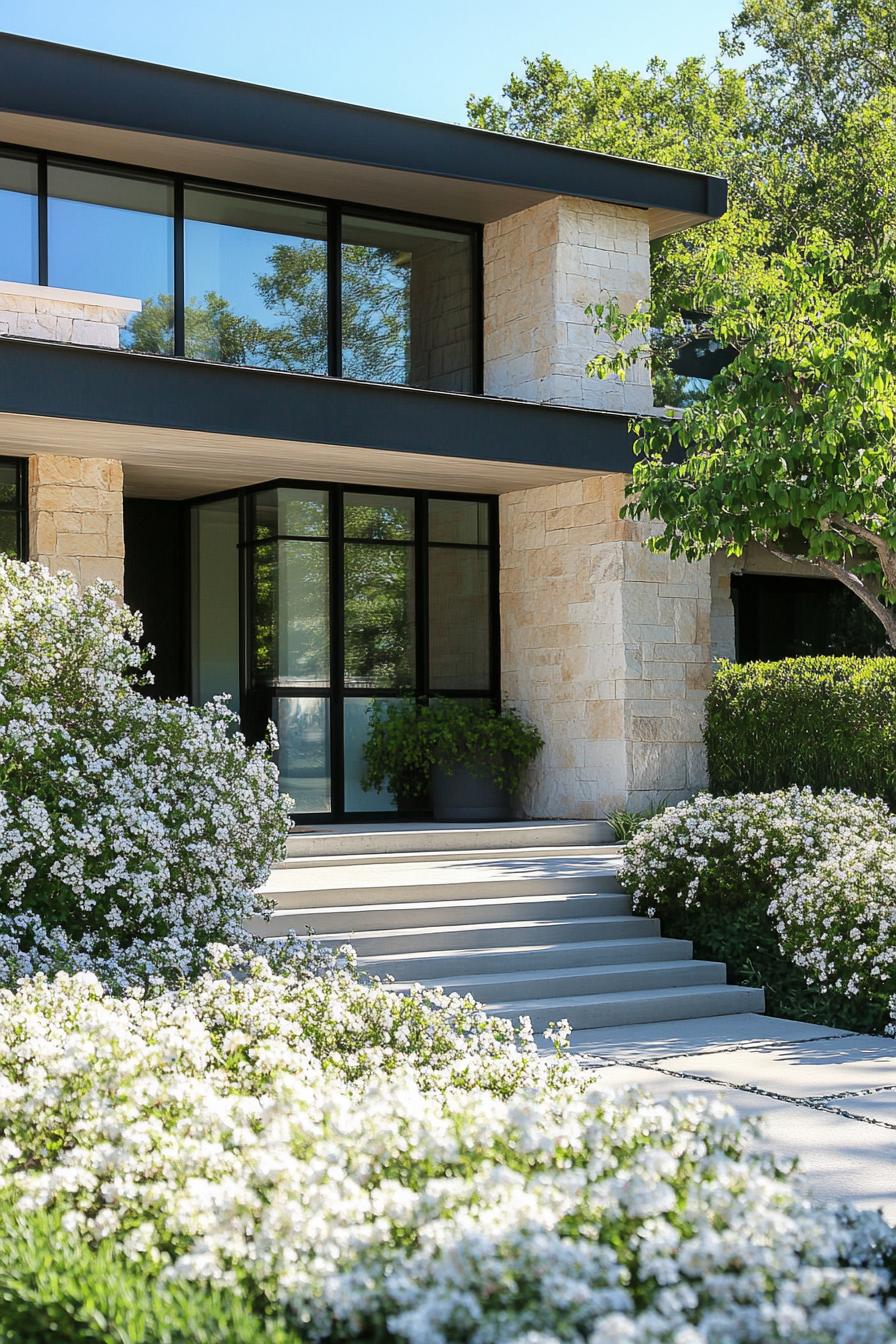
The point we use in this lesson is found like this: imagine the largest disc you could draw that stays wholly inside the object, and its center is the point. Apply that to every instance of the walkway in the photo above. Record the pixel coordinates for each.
(825, 1096)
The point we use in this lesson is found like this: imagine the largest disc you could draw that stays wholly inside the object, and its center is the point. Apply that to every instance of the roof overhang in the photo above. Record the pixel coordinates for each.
(183, 428)
(88, 103)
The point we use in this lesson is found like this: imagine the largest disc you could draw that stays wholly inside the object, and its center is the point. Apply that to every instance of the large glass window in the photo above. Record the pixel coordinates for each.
(12, 508)
(238, 276)
(291, 588)
(344, 597)
(18, 220)
(215, 536)
(255, 281)
(113, 233)
(380, 624)
(459, 595)
(407, 304)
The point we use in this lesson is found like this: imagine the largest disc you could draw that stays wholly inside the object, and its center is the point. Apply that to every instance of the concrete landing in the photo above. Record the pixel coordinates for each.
(822, 1095)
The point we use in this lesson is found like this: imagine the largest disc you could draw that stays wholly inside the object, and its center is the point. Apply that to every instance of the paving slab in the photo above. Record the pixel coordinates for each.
(877, 1106)
(695, 1036)
(842, 1158)
(823, 1067)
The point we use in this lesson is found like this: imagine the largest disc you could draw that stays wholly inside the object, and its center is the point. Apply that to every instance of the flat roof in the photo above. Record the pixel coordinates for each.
(89, 103)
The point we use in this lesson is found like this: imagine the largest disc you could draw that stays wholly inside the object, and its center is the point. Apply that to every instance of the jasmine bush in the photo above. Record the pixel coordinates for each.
(822, 722)
(380, 1169)
(132, 832)
(794, 890)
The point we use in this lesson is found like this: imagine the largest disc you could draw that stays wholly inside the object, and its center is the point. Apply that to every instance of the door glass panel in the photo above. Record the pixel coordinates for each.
(303, 732)
(113, 233)
(255, 281)
(464, 521)
(378, 517)
(9, 534)
(379, 615)
(18, 220)
(291, 512)
(407, 304)
(216, 600)
(458, 618)
(357, 726)
(291, 604)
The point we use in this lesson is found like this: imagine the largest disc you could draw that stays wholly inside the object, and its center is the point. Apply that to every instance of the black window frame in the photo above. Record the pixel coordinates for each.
(256, 702)
(20, 504)
(334, 210)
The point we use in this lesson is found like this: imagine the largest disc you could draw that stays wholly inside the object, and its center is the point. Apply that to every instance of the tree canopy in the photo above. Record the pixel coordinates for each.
(793, 444)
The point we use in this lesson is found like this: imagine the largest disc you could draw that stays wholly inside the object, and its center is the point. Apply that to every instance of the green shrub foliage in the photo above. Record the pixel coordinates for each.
(408, 739)
(813, 722)
(56, 1285)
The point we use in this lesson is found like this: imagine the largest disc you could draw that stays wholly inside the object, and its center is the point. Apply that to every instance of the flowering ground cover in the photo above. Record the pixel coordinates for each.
(365, 1166)
(795, 890)
(203, 1138)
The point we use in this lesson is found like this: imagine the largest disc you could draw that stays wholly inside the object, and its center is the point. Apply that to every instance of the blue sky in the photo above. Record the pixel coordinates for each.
(416, 56)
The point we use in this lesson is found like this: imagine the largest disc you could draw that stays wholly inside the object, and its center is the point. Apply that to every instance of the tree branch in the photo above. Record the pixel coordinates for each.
(885, 553)
(884, 614)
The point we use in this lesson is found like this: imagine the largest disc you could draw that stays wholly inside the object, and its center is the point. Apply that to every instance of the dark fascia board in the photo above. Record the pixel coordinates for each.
(115, 387)
(47, 80)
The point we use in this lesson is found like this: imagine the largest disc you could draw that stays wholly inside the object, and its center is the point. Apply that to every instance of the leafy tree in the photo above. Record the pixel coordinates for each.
(794, 444)
(804, 135)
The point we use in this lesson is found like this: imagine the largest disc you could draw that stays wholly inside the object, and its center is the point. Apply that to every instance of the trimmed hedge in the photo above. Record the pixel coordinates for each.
(816, 722)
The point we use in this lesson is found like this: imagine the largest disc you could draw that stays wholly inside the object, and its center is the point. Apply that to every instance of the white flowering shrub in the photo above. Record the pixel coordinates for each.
(838, 920)
(793, 889)
(388, 1168)
(717, 851)
(132, 832)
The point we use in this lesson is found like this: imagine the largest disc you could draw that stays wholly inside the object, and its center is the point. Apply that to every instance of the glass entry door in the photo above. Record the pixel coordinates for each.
(311, 601)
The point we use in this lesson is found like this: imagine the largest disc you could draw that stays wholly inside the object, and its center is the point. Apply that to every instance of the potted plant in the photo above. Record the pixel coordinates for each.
(470, 754)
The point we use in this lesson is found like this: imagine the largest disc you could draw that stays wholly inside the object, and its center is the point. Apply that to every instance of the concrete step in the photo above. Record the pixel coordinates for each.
(397, 942)
(470, 878)
(457, 962)
(579, 980)
(375, 841)
(624, 1009)
(348, 920)
(608, 853)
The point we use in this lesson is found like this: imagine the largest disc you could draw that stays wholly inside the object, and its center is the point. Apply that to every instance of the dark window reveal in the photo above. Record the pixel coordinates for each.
(780, 617)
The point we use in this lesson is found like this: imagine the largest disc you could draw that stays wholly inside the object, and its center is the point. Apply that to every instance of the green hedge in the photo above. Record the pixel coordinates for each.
(821, 722)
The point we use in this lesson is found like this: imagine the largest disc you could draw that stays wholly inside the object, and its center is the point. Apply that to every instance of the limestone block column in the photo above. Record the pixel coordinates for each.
(605, 646)
(75, 516)
(542, 267)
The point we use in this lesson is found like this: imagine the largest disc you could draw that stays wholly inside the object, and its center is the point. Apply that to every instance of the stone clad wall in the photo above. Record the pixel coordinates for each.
(605, 646)
(47, 314)
(75, 516)
(542, 267)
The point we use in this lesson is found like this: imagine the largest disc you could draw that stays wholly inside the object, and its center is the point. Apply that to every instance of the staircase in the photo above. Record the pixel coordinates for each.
(527, 917)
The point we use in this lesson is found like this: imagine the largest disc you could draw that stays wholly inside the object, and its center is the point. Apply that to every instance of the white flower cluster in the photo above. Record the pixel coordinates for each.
(132, 831)
(403, 1168)
(822, 865)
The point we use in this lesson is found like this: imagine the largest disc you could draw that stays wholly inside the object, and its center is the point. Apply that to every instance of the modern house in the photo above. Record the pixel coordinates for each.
(308, 381)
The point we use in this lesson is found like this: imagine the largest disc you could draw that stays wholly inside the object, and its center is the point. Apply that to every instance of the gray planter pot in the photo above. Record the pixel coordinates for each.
(462, 796)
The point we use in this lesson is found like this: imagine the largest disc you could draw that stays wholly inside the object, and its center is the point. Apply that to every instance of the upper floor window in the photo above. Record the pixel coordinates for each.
(243, 277)
(113, 233)
(18, 220)
(407, 304)
(255, 281)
